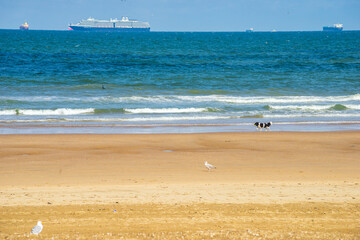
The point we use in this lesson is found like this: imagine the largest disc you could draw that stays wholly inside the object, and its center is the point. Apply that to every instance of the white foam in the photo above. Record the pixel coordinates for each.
(7, 112)
(190, 98)
(310, 107)
(353, 106)
(267, 100)
(140, 119)
(301, 107)
(166, 110)
(290, 99)
(42, 112)
(231, 99)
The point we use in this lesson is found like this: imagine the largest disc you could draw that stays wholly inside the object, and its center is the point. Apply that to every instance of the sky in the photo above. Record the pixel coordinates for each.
(186, 15)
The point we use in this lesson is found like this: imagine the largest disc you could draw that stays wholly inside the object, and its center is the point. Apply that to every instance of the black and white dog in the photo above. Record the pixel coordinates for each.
(262, 126)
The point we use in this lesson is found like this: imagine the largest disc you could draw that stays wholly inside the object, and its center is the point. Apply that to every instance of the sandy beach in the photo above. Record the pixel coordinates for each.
(267, 185)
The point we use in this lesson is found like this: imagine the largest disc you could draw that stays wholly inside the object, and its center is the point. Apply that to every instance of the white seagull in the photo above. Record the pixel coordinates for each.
(209, 166)
(37, 229)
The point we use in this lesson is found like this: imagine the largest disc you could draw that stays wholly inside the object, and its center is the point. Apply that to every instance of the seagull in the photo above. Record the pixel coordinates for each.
(37, 229)
(209, 166)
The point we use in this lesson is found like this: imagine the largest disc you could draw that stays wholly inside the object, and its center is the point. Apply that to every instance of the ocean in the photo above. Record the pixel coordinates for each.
(178, 82)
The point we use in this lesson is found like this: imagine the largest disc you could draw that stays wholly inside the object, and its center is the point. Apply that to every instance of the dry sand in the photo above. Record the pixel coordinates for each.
(273, 185)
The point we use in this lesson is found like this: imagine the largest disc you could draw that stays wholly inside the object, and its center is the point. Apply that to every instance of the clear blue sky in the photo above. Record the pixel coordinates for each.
(186, 15)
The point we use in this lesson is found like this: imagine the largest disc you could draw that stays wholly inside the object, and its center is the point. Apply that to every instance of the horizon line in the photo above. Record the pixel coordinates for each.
(190, 31)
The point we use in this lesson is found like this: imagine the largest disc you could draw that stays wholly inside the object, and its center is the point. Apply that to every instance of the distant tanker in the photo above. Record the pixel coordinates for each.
(112, 25)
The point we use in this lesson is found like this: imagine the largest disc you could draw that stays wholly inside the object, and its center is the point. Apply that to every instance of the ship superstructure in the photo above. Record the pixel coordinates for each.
(24, 26)
(112, 25)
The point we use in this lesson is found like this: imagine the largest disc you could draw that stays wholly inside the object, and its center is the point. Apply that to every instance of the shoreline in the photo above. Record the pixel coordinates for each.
(176, 128)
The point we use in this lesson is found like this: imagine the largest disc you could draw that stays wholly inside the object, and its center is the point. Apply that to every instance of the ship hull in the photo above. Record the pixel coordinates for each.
(110, 29)
(332, 29)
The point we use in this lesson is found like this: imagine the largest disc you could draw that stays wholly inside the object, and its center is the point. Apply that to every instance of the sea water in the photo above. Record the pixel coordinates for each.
(67, 81)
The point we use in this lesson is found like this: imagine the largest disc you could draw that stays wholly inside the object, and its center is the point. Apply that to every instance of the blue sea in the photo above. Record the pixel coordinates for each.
(166, 82)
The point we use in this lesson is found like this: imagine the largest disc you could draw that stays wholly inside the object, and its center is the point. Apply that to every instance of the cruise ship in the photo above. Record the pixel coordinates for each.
(112, 25)
(335, 28)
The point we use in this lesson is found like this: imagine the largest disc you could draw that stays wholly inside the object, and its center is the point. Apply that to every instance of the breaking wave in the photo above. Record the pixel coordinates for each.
(192, 98)
(59, 111)
(336, 107)
(70, 111)
(277, 99)
(171, 110)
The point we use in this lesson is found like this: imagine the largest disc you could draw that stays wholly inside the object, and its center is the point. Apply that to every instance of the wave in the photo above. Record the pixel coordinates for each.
(271, 99)
(42, 112)
(253, 116)
(336, 107)
(298, 107)
(8, 112)
(69, 111)
(109, 111)
(138, 119)
(40, 99)
(191, 98)
(228, 99)
(10, 101)
(340, 107)
(171, 110)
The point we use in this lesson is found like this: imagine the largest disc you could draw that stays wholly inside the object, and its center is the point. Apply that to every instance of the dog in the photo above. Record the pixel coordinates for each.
(262, 126)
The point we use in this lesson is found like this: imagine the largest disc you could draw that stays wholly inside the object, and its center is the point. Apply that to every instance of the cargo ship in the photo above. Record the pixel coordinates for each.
(335, 28)
(24, 26)
(112, 25)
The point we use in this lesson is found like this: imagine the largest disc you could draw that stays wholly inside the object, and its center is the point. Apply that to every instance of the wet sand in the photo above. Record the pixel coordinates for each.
(269, 185)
